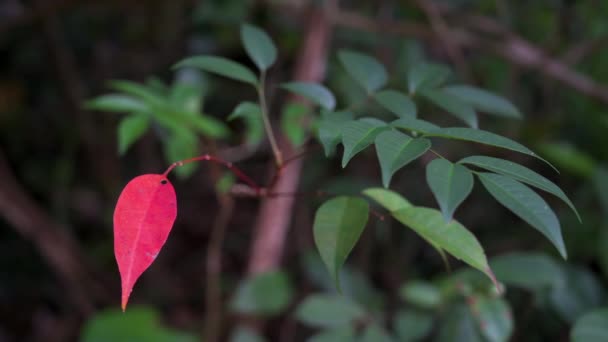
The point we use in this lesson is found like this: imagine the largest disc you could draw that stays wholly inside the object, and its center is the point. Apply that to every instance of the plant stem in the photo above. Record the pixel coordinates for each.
(207, 157)
(278, 158)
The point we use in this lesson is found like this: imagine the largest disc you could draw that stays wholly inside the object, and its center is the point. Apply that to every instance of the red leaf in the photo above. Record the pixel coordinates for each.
(143, 218)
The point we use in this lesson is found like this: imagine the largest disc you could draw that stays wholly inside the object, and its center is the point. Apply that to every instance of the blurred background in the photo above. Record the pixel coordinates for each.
(244, 269)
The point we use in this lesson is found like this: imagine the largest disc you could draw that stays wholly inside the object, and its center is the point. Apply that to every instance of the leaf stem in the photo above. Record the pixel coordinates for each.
(207, 157)
(278, 158)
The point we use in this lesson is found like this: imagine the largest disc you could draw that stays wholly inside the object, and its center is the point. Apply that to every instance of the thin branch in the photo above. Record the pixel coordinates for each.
(501, 42)
(278, 158)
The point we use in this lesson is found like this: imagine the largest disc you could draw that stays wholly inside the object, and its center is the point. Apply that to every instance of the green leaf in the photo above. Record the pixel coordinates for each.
(137, 324)
(579, 293)
(426, 75)
(395, 150)
(265, 294)
(374, 333)
(420, 293)
(388, 199)
(252, 114)
(494, 318)
(330, 130)
(366, 70)
(292, 123)
(182, 146)
(458, 325)
(338, 225)
(356, 136)
(220, 66)
(259, 46)
(397, 103)
(527, 270)
(452, 105)
(484, 100)
(450, 183)
(452, 237)
(483, 137)
(150, 97)
(526, 204)
(314, 92)
(415, 125)
(593, 326)
(207, 125)
(130, 129)
(344, 333)
(117, 103)
(245, 334)
(412, 325)
(521, 173)
(323, 310)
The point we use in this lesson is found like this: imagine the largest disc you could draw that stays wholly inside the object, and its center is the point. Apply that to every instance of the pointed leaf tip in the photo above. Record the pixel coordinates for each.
(144, 215)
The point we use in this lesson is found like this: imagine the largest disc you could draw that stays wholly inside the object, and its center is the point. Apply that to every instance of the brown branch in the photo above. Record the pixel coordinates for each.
(275, 212)
(442, 31)
(213, 293)
(502, 42)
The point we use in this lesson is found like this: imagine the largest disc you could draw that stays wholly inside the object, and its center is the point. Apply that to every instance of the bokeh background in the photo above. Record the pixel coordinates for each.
(219, 276)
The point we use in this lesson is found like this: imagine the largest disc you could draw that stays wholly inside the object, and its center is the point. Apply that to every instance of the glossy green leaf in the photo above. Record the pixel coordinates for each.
(323, 310)
(252, 114)
(412, 325)
(527, 270)
(314, 92)
(526, 204)
(426, 75)
(137, 324)
(292, 123)
(593, 326)
(453, 105)
(420, 293)
(388, 199)
(117, 103)
(356, 136)
(130, 129)
(364, 69)
(521, 173)
(397, 103)
(450, 183)
(329, 130)
(415, 125)
(483, 137)
(494, 318)
(264, 294)
(484, 100)
(452, 237)
(220, 66)
(259, 46)
(395, 150)
(337, 227)
(375, 333)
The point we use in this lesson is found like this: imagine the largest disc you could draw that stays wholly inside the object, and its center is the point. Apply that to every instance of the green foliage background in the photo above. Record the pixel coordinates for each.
(67, 158)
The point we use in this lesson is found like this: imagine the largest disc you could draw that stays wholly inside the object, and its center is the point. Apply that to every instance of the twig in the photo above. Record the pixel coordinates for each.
(442, 31)
(506, 44)
(276, 151)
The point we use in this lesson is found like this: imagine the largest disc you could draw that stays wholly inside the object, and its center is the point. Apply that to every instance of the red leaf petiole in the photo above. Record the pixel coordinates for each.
(207, 157)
